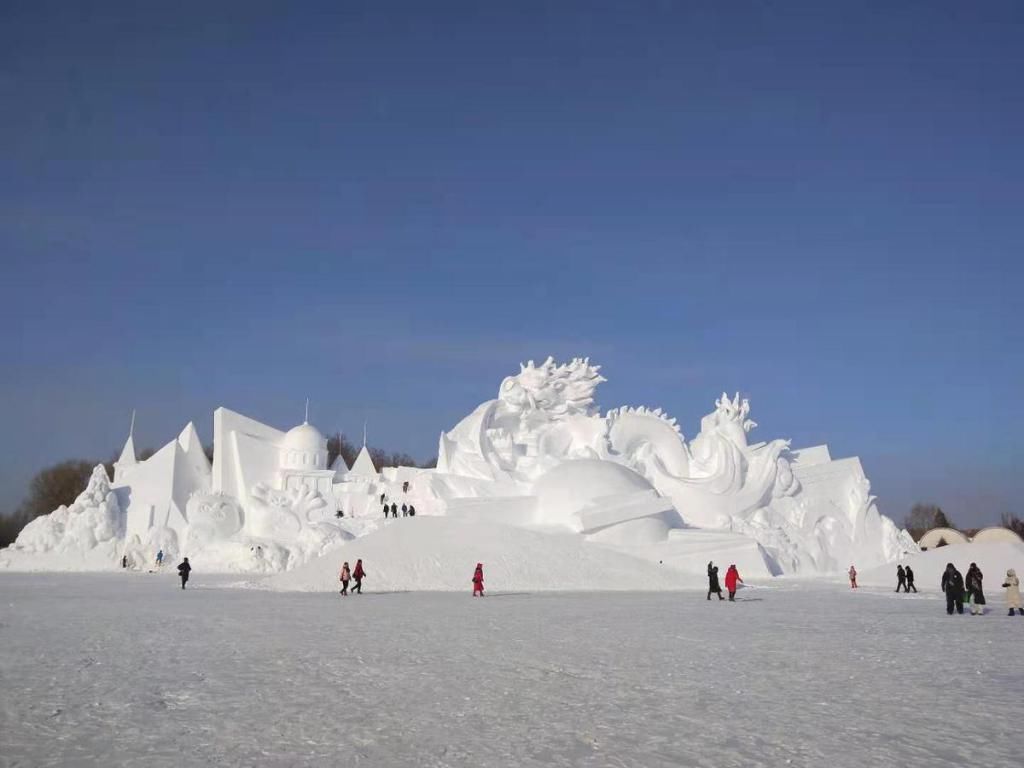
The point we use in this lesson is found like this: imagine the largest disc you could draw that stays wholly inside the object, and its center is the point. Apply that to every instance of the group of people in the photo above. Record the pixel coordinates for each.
(732, 581)
(957, 588)
(356, 575)
(359, 573)
(408, 510)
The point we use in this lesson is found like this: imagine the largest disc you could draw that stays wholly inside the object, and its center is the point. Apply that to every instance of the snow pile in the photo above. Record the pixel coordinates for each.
(993, 558)
(439, 553)
(93, 520)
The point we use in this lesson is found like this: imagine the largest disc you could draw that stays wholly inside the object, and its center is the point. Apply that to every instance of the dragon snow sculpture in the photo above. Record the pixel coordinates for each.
(546, 415)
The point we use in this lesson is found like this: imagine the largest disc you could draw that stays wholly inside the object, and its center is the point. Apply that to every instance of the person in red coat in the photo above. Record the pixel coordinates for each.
(357, 576)
(478, 580)
(731, 577)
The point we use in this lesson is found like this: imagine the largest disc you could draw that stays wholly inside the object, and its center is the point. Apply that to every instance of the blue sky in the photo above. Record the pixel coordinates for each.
(386, 206)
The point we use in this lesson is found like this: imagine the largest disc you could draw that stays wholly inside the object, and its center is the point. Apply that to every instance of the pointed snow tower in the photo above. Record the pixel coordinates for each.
(128, 459)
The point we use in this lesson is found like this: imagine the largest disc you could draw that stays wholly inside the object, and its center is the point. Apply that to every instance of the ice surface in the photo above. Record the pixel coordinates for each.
(126, 669)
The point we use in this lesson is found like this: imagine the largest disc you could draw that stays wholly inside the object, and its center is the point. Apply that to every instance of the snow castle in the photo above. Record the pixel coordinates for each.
(539, 458)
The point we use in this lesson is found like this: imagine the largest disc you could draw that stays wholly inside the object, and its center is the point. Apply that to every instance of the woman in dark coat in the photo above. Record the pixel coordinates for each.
(184, 570)
(975, 594)
(713, 585)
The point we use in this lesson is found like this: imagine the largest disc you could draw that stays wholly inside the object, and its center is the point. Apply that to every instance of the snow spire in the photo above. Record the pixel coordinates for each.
(127, 458)
(364, 433)
(306, 419)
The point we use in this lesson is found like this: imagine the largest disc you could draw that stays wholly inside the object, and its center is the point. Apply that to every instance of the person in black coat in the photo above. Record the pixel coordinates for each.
(975, 594)
(184, 570)
(713, 585)
(910, 578)
(901, 579)
(394, 510)
(953, 586)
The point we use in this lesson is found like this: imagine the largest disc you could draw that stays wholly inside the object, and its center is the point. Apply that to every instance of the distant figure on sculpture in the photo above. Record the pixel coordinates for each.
(713, 585)
(357, 576)
(124, 561)
(394, 510)
(184, 570)
(386, 510)
(901, 579)
(1012, 586)
(383, 498)
(344, 577)
(852, 573)
(405, 487)
(160, 558)
(975, 593)
(953, 586)
(731, 577)
(478, 580)
(405, 511)
(910, 579)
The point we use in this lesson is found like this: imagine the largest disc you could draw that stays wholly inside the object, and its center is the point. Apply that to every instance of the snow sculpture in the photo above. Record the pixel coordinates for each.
(545, 418)
(93, 520)
(539, 456)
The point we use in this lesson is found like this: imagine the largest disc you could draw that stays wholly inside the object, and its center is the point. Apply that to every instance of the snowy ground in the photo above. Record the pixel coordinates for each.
(125, 669)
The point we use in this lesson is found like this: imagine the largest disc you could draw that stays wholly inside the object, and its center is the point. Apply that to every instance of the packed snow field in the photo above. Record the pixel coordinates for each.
(126, 669)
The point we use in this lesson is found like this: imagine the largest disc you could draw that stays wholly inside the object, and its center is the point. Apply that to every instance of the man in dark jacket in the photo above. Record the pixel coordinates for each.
(901, 579)
(184, 570)
(713, 585)
(953, 586)
(910, 578)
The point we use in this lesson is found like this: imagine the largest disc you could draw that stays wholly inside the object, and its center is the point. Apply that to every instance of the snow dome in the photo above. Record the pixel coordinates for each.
(570, 487)
(304, 447)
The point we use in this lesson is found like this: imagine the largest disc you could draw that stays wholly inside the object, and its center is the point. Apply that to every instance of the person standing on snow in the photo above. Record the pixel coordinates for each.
(953, 586)
(975, 594)
(478, 580)
(357, 576)
(910, 579)
(901, 579)
(394, 510)
(852, 573)
(159, 558)
(184, 570)
(344, 577)
(405, 510)
(713, 585)
(1012, 586)
(731, 577)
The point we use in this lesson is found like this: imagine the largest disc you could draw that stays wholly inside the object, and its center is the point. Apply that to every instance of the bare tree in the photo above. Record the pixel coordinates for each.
(924, 517)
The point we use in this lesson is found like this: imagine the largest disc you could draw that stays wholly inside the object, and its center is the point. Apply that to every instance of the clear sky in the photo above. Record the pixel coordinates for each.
(387, 206)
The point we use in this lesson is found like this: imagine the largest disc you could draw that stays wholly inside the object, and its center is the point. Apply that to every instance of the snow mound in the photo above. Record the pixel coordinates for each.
(439, 553)
(993, 558)
(94, 519)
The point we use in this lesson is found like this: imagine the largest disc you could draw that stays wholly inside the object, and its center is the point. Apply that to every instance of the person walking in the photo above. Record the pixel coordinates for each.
(412, 511)
(405, 510)
(975, 593)
(383, 498)
(357, 576)
(901, 579)
(478, 580)
(344, 577)
(386, 510)
(184, 570)
(1012, 586)
(159, 558)
(124, 561)
(731, 577)
(852, 573)
(953, 586)
(394, 510)
(910, 579)
(713, 585)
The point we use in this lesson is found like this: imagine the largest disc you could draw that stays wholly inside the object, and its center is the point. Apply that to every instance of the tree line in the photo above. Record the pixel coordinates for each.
(61, 483)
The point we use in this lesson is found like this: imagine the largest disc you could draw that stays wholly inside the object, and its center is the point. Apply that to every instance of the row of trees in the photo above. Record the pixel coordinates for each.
(61, 483)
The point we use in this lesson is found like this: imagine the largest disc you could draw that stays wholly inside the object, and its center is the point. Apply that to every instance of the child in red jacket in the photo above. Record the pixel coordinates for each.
(478, 580)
